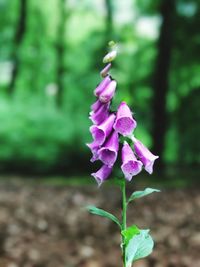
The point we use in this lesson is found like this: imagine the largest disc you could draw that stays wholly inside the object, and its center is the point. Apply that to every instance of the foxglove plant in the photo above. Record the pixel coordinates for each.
(106, 131)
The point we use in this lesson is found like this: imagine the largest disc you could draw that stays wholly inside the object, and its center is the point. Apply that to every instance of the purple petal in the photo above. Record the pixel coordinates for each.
(124, 124)
(101, 114)
(108, 92)
(101, 131)
(130, 165)
(145, 155)
(102, 85)
(108, 152)
(102, 174)
(105, 70)
(96, 106)
(94, 149)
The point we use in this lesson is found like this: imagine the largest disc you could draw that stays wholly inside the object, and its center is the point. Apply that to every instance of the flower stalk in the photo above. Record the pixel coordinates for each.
(124, 208)
(108, 126)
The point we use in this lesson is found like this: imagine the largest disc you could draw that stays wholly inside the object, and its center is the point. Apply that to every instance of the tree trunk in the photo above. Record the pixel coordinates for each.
(161, 80)
(19, 35)
(60, 47)
(108, 34)
(109, 20)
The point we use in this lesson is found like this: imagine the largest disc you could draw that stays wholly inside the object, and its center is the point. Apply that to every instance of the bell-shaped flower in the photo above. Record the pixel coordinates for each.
(124, 123)
(100, 132)
(107, 94)
(105, 70)
(100, 115)
(102, 85)
(108, 152)
(102, 174)
(145, 155)
(94, 149)
(130, 165)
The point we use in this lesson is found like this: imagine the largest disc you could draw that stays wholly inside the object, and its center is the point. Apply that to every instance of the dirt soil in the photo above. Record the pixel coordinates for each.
(46, 226)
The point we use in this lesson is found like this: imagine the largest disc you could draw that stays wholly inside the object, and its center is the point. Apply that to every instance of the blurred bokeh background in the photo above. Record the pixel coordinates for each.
(50, 57)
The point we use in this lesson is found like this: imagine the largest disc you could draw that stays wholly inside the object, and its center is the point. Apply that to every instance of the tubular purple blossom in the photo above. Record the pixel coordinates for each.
(101, 131)
(105, 70)
(145, 155)
(107, 94)
(100, 115)
(108, 152)
(102, 85)
(102, 174)
(124, 123)
(130, 165)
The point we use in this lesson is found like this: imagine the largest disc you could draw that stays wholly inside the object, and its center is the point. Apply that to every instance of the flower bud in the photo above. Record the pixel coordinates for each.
(105, 70)
(100, 115)
(110, 56)
(95, 106)
(102, 85)
(107, 94)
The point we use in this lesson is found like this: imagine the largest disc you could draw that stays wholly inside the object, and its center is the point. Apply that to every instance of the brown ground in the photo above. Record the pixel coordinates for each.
(48, 227)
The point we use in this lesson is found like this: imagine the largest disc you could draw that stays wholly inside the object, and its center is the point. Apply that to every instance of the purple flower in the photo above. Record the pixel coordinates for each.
(102, 174)
(107, 94)
(102, 85)
(145, 155)
(100, 132)
(96, 106)
(130, 165)
(108, 152)
(124, 124)
(94, 149)
(101, 114)
(105, 70)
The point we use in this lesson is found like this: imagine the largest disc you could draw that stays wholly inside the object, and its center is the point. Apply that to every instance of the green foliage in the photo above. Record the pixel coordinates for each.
(129, 233)
(33, 135)
(43, 77)
(103, 213)
(139, 194)
(140, 246)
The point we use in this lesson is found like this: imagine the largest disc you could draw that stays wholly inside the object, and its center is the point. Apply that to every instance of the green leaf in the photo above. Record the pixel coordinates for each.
(139, 194)
(96, 211)
(129, 233)
(140, 246)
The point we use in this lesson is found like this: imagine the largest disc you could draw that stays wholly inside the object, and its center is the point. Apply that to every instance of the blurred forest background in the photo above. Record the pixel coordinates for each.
(50, 58)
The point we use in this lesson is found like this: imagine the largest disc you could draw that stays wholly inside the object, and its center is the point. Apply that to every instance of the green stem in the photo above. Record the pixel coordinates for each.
(124, 206)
